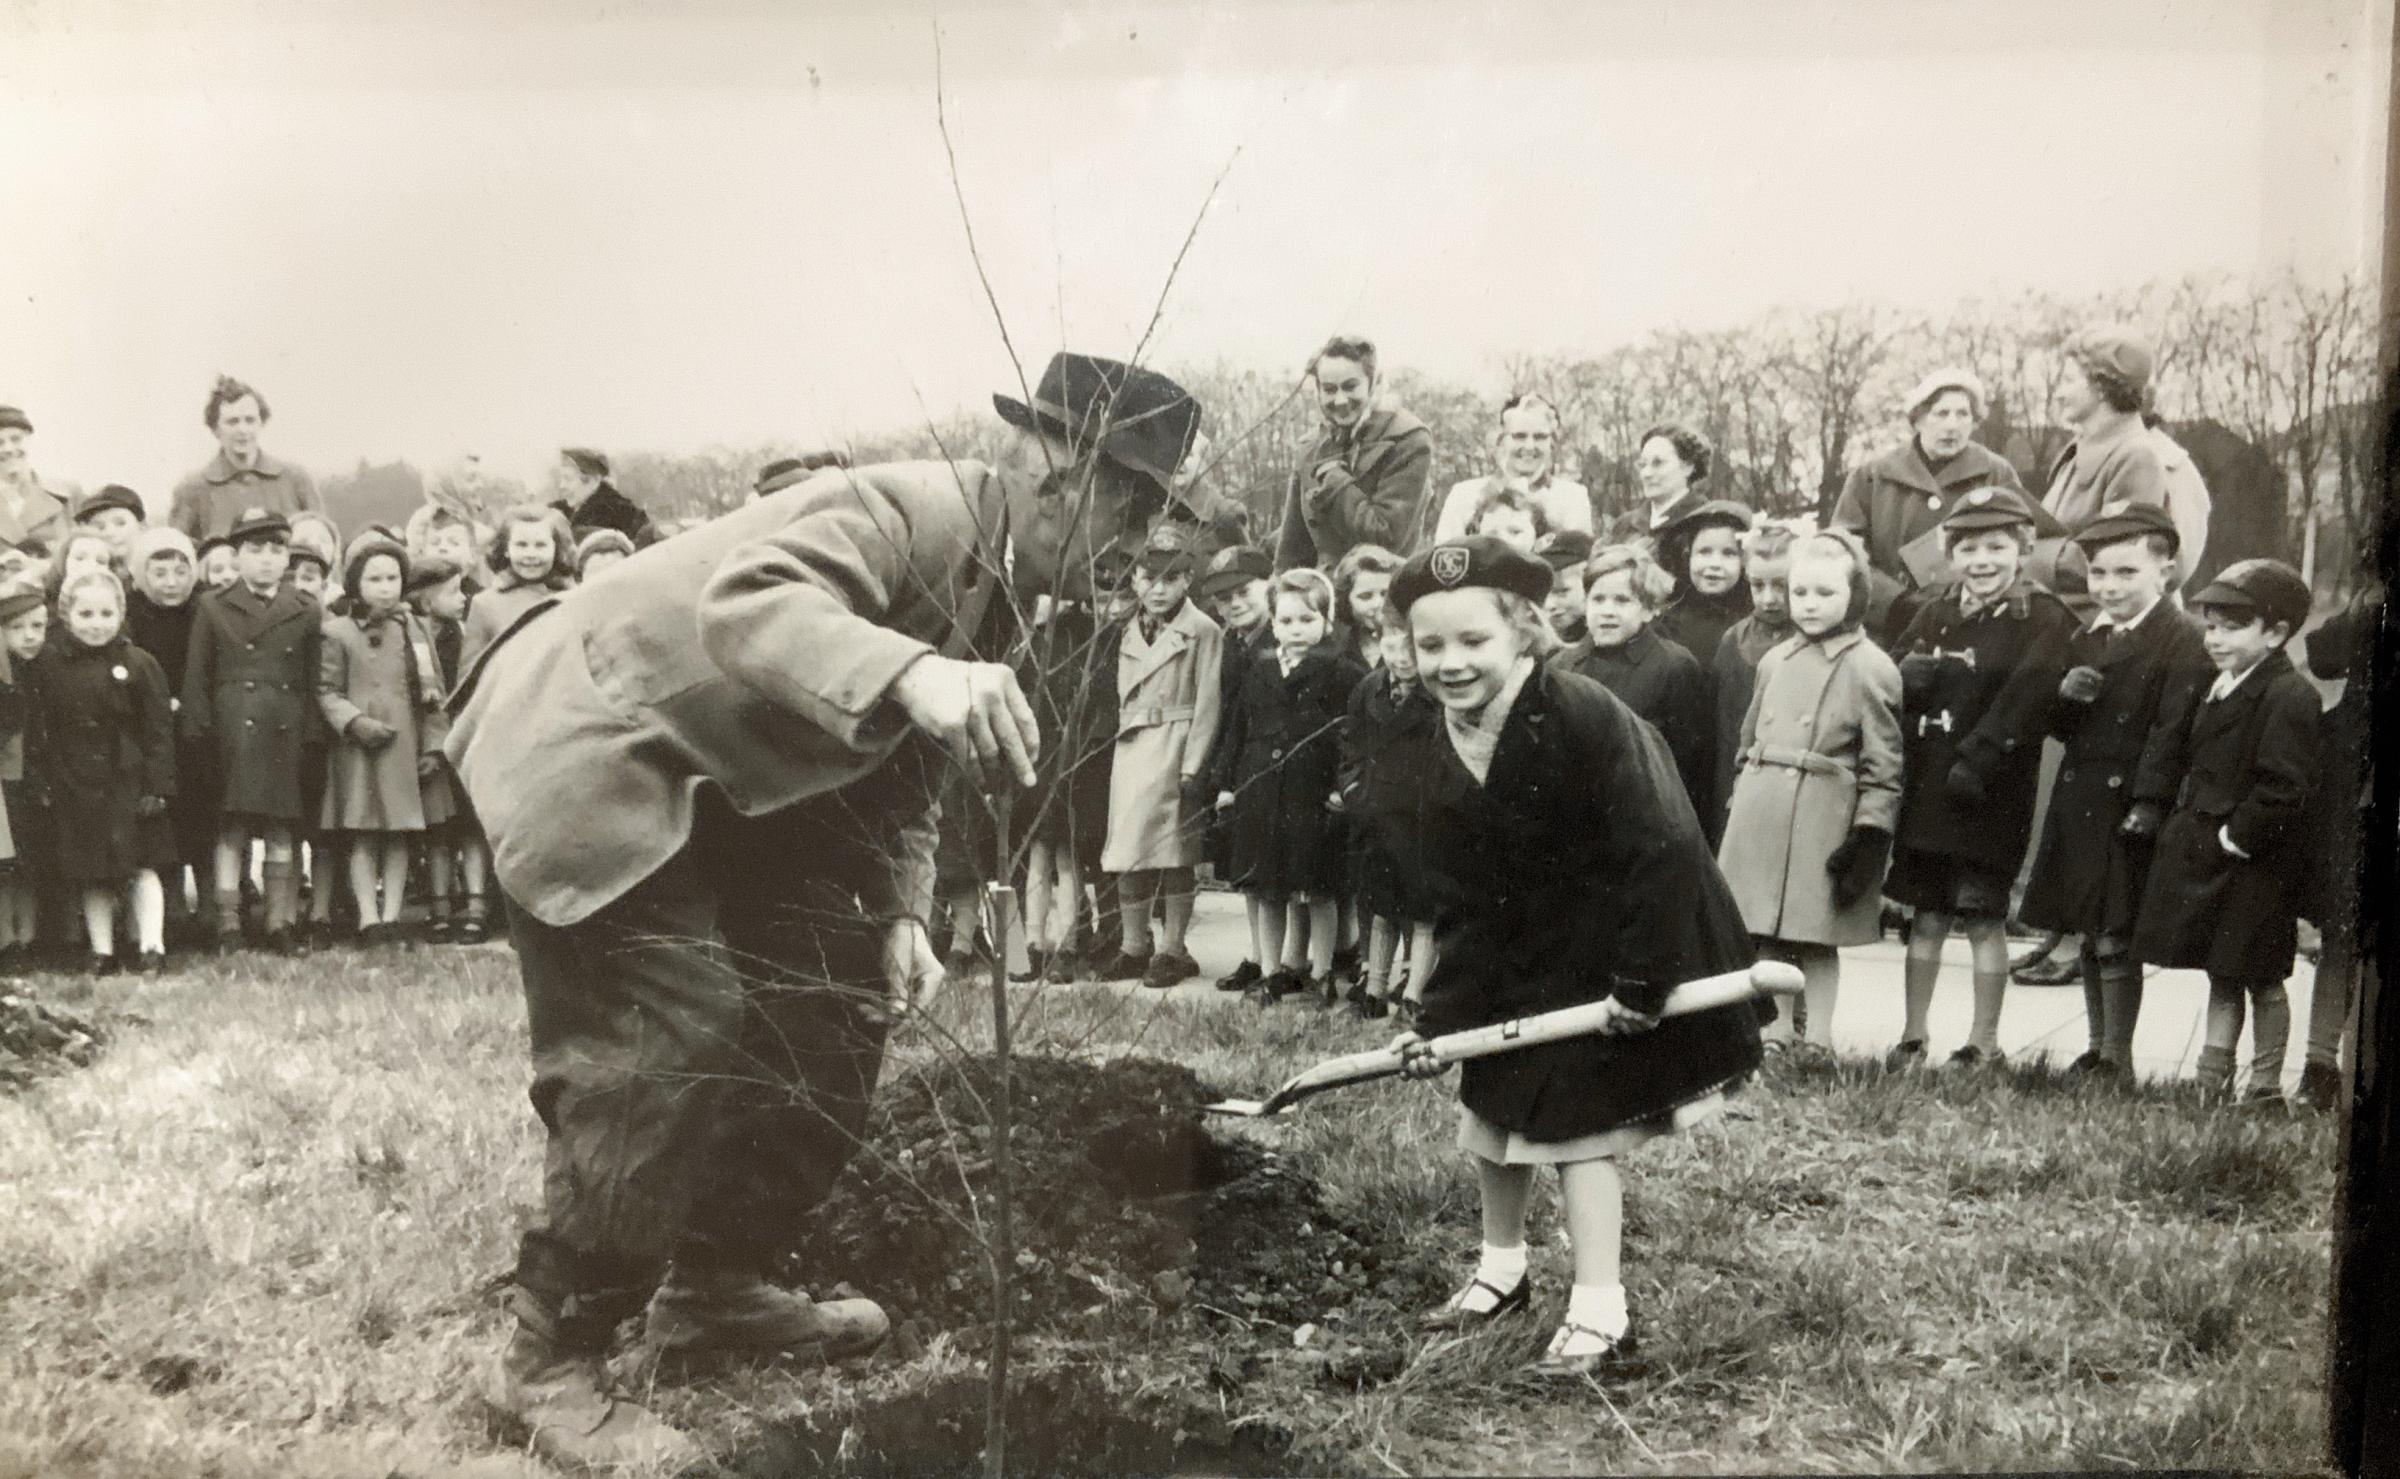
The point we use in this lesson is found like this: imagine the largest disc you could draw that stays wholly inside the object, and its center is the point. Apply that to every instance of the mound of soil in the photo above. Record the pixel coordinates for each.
(1124, 1203)
(38, 1040)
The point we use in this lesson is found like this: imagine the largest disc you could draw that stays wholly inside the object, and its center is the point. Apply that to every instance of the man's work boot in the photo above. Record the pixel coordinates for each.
(572, 1414)
(697, 1318)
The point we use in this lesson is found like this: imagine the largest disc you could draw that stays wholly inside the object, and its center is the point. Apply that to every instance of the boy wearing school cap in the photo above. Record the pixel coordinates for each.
(1980, 664)
(2134, 675)
(1169, 667)
(1235, 586)
(2223, 894)
(249, 703)
(116, 514)
(1565, 551)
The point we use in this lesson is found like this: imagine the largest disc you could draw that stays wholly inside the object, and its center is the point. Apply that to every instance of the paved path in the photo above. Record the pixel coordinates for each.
(2038, 1018)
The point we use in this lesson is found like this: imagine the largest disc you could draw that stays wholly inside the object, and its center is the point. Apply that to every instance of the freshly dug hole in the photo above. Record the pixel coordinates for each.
(1125, 1205)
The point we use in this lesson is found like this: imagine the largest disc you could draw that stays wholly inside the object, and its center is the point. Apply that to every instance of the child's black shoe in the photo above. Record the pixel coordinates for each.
(1242, 977)
(2320, 1087)
(1123, 966)
(1278, 984)
(439, 930)
(100, 965)
(1465, 1310)
(1910, 1054)
(150, 963)
(1169, 968)
(1972, 1056)
(474, 931)
(1580, 1350)
(1037, 961)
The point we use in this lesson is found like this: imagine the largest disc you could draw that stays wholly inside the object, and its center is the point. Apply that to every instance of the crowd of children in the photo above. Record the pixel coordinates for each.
(239, 742)
(1259, 721)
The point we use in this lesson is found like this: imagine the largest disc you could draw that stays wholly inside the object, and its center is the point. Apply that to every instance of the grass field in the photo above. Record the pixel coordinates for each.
(257, 1237)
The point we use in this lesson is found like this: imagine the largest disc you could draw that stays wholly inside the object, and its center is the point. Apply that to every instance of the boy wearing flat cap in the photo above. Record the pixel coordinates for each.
(1979, 669)
(1235, 586)
(2134, 675)
(115, 513)
(2223, 894)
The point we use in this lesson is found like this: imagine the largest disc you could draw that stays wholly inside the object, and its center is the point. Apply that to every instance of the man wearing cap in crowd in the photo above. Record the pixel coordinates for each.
(1526, 450)
(779, 683)
(33, 513)
(242, 475)
(1894, 503)
(590, 501)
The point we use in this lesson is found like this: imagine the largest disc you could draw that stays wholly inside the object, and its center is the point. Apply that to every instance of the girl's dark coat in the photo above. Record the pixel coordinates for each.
(2250, 765)
(2124, 746)
(1377, 781)
(165, 632)
(1217, 770)
(1663, 684)
(110, 741)
(1576, 871)
(1997, 678)
(250, 695)
(1286, 761)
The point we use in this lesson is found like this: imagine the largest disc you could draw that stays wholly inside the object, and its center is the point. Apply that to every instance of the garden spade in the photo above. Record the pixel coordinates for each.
(1767, 978)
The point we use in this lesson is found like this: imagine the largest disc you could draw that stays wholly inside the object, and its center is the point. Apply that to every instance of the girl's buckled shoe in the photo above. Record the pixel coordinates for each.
(1454, 1314)
(1580, 1350)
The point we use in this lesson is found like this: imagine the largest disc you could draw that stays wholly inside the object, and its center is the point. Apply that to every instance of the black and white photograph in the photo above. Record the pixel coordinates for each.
(1196, 737)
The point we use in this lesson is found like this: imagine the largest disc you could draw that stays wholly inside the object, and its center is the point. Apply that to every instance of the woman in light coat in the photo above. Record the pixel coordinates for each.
(1817, 792)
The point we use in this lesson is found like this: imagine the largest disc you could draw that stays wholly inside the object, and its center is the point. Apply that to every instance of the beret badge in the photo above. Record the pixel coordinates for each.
(1449, 564)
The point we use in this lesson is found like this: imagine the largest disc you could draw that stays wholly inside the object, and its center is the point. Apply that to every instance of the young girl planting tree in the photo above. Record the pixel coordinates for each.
(1566, 868)
(1810, 830)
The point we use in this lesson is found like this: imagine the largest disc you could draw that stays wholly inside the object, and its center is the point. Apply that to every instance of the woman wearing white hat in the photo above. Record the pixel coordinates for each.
(1895, 503)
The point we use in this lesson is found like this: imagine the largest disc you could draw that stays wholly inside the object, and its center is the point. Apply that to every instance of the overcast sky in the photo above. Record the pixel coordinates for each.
(432, 227)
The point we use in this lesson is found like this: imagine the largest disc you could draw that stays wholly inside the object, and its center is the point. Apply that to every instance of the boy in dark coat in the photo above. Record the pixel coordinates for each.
(2224, 891)
(2124, 708)
(2342, 649)
(1388, 705)
(1235, 586)
(250, 697)
(1566, 867)
(1623, 652)
(1979, 670)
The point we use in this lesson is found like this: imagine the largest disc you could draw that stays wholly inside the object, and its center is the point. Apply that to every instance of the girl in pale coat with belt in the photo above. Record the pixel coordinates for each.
(1817, 791)
(382, 697)
(1167, 706)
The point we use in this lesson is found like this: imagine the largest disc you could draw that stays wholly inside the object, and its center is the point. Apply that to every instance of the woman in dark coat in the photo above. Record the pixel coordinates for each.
(1368, 477)
(1979, 669)
(2234, 856)
(1566, 867)
(111, 768)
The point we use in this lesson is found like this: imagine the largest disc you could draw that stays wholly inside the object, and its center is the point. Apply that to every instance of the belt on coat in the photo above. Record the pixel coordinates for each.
(1794, 759)
(1164, 714)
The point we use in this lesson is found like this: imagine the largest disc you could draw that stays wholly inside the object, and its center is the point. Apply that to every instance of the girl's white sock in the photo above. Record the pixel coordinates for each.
(1599, 1307)
(1501, 1267)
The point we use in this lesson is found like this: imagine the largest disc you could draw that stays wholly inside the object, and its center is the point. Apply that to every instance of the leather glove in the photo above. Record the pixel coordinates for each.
(2143, 821)
(2081, 685)
(150, 806)
(1963, 783)
(371, 734)
(1917, 672)
(1857, 865)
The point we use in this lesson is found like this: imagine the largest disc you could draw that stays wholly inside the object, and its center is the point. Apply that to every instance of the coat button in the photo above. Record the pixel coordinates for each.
(2115, 781)
(1278, 755)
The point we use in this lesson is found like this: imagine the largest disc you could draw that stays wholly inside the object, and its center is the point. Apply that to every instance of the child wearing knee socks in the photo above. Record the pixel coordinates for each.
(1571, 870)
(1386, 705)
(1168, 663)
(1236, 586)
(1980, 669)
(111, 753)
(1817, 794)
(2223, 891)
(381, 701)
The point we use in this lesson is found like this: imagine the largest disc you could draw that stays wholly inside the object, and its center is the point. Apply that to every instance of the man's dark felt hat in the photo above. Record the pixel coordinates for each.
(1135, 417)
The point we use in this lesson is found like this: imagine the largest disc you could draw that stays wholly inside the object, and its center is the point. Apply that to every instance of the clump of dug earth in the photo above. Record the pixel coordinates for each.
(1140, 1234)
(37, 1041)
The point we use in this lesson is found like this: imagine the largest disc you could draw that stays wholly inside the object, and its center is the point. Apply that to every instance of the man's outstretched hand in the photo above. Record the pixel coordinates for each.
(910, 968)
(976, 711)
